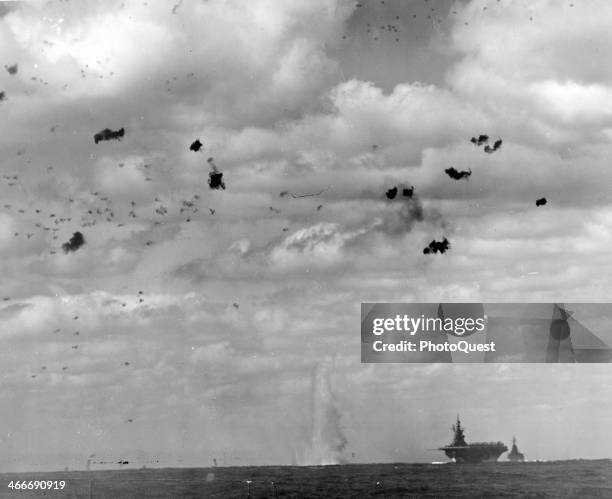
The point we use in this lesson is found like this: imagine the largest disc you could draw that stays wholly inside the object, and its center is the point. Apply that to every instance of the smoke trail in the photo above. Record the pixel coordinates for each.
(327, 440)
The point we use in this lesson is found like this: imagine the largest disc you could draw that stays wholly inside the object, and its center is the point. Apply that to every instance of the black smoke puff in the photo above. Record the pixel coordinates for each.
(196, 146)
(215, 180)
(457, 175)
(541, 202)
(437, 247)
(76, 241)
(108, 134)
(482, 139)
(391, 193)
(496, 145)
(408, 192)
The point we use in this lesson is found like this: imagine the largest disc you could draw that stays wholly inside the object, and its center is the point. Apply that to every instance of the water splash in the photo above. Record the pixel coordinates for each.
(327, 440)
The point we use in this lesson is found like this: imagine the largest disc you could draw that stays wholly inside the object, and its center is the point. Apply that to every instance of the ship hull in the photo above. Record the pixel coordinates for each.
(474, 454)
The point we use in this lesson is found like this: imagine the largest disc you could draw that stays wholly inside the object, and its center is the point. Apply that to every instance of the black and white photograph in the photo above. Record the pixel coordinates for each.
(305, 249)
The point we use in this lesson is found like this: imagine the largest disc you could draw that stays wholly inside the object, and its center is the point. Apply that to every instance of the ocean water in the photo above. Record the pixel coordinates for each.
(561, 479)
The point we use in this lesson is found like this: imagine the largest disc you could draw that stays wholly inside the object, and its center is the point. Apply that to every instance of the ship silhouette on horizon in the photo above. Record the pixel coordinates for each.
(459, 451)
(515, 455)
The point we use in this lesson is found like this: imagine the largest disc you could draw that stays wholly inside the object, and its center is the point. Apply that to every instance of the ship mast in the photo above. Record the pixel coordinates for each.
(459, 437)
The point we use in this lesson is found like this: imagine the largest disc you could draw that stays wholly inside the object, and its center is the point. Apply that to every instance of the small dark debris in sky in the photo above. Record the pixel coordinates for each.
(2, 96)
(108, 134)
(437, 247)
(235, 305)
(456, 174)
(319, 207)
(541, 202)
(196, 146)
(391, 193)
(76, 241)
(12, 70)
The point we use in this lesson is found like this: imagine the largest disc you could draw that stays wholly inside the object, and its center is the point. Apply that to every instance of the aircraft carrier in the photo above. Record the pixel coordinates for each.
(460, 451)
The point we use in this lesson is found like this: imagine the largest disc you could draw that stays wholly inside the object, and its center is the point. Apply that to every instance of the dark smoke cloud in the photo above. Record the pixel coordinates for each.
(215, 177)
(76, 241)
(456, 174)
(391, 193)
(497, 144)
(541, 202)
(108, 134)
(196, 145)
(437, 247)
(482, 139)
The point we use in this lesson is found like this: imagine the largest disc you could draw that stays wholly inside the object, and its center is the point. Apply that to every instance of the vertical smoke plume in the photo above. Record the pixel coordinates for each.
(327, 440)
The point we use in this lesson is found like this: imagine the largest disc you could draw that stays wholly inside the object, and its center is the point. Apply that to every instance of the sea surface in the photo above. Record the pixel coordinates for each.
(560, 479)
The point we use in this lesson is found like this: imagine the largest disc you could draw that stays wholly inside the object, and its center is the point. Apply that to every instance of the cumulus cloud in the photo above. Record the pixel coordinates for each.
(558, 88)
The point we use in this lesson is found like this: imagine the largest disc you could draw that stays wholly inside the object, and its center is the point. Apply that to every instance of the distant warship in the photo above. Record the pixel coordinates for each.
(515, 455)
(481, 452)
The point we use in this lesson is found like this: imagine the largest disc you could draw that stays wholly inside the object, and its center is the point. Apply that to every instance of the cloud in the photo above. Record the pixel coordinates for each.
(320, 244)
(262, 86)
(558, 88)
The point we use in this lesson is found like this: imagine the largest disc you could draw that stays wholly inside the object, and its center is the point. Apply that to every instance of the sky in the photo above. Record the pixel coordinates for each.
(203, 313)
